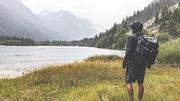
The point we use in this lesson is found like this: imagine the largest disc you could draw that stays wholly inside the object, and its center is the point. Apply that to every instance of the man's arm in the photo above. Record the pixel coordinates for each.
(129, 50)
(130, 47)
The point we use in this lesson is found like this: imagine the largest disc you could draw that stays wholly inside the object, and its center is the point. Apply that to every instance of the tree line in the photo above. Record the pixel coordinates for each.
(16, 41)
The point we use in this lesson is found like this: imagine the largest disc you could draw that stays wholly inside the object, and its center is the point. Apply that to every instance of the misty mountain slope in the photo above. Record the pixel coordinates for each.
(69, 26)
(17, 20)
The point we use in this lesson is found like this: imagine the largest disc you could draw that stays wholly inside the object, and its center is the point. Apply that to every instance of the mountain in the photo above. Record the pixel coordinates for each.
(68, 25)
(160, 16)
(18, 20)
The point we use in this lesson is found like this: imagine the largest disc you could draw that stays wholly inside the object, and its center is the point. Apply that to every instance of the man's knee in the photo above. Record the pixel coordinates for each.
(129, 85)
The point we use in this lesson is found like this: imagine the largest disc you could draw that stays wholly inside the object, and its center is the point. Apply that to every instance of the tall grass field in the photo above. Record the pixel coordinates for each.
(98, 78)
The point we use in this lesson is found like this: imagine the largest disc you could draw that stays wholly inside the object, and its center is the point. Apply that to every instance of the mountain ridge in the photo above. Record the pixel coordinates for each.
(66, 22)
(14, 24)
(18, 20)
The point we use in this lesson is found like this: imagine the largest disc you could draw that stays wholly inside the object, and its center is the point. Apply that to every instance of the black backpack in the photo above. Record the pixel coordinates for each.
(147, 50)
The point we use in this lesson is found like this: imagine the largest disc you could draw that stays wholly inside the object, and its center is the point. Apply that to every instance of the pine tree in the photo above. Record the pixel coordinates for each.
(174, 28)
(113, 29)
(176, 15)
(163, 27)
(157, 20)
(165, 14)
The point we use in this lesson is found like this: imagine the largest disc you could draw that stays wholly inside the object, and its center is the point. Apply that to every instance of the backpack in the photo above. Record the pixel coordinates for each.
(147, 50)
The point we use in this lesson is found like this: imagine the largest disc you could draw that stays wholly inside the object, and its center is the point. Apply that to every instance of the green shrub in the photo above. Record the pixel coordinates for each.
(163, 37)
(169, 52)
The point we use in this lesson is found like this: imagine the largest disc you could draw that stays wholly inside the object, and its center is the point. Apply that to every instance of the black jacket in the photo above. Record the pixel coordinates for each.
(130, 49)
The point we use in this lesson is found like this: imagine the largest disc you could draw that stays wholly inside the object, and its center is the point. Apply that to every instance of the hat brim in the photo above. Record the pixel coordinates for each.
(131, 25)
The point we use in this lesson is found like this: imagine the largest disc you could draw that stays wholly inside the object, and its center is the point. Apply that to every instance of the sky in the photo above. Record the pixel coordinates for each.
(102, 12)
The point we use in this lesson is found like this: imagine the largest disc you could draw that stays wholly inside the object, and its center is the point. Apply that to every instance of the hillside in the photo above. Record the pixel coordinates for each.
(18, 20)
(160, 16)
(68, 25)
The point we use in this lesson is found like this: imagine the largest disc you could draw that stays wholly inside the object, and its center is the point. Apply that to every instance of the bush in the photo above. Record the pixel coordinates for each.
(163, 37)
(169, 52)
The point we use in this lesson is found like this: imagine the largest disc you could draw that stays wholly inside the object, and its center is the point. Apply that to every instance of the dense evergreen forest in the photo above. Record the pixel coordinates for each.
(169, 21)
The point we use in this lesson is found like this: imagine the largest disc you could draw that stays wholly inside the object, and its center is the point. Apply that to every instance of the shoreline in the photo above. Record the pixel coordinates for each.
(16, 60)
(31, 70)
(66, 46)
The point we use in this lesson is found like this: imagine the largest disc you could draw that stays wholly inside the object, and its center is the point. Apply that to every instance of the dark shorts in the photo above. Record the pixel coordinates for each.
(135, 73)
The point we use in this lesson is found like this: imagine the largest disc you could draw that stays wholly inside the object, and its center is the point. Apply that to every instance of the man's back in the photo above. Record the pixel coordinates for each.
(131, 47)
(134, 71)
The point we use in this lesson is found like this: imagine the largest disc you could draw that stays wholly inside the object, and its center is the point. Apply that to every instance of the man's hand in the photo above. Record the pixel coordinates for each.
(149, 66)
(124, 63)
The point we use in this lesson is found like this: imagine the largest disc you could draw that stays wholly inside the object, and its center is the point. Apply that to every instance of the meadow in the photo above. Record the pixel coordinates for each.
(98, 78)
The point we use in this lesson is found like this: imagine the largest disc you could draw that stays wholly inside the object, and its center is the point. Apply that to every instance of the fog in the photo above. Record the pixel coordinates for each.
(103, 12)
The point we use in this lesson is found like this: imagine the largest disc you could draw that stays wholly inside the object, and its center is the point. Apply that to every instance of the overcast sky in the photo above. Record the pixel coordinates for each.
(103, 12)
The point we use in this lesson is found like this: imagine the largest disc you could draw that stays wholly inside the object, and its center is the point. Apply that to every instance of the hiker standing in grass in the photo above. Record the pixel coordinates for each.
(134, 71)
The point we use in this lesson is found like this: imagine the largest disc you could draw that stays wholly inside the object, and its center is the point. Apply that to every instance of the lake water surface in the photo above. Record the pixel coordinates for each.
(14, 60)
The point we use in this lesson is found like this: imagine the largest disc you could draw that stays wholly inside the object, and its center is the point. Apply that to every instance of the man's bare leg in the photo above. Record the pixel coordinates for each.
(130, 91)
(140, 91)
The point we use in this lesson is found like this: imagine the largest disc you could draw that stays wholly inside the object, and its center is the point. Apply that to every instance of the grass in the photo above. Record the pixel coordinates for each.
(103, 58)
(94, 79)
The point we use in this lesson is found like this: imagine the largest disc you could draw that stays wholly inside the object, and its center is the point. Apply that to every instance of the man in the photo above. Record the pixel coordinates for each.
(134, 71)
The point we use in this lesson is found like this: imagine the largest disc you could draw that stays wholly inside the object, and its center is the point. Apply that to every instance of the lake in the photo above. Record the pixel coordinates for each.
(14, 60)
